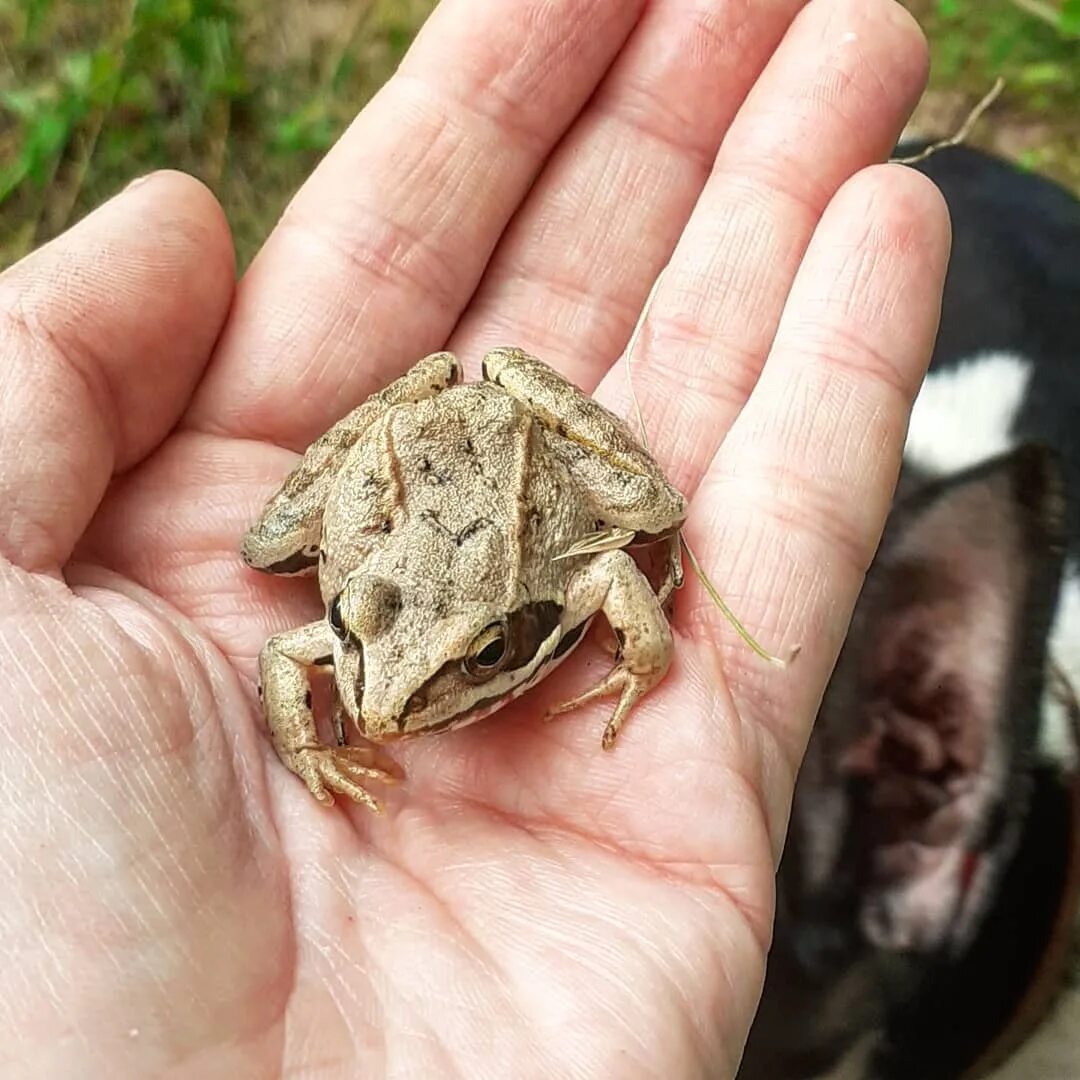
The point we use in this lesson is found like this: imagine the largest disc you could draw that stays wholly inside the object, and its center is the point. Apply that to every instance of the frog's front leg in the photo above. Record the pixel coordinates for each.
(285, 665)
(285, 539)
(613, 584)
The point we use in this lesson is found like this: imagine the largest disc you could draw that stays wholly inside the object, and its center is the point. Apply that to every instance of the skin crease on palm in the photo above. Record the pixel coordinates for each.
(174, 901)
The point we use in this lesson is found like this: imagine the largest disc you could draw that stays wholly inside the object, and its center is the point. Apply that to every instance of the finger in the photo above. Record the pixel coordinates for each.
(569, 277)
(378, 254)
(104, 333)
(792, 508)
(833, 99)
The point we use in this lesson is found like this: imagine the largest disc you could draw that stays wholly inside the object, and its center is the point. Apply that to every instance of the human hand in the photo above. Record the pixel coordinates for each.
(175, 900)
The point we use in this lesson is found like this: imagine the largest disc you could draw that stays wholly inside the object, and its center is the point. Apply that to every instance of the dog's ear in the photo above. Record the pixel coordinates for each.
(941, 710)
(950, 676)
(914, 778)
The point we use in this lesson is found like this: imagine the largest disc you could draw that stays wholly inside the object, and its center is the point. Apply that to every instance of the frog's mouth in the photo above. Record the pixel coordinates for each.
(553, 650)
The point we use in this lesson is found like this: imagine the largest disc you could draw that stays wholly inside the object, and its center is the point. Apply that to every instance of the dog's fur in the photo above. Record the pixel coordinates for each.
(924, 896)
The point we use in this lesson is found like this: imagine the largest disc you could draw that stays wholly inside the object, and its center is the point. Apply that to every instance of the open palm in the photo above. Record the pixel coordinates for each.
(174, 899)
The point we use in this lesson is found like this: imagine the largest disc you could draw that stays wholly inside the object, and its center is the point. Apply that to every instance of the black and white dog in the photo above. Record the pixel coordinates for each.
(927, 899)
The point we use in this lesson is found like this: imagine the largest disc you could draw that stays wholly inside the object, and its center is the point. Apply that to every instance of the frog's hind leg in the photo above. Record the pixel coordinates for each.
(285, 539)
(285, 664)
(612, 583)
(615, 475)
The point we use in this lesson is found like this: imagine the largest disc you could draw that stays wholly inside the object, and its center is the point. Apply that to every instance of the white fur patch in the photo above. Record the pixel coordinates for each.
(1056, 738)
(965, 414)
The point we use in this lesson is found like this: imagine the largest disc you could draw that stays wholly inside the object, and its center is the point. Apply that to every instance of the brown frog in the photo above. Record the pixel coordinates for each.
(464, 537)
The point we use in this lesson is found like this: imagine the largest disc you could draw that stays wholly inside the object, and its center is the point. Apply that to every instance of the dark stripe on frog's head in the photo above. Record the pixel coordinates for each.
(528, 628)
(459, 718)
(566, 643)
(569, 640)
(296, 563)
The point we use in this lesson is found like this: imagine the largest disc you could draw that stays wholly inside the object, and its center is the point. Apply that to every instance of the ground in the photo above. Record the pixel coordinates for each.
(247, 94)
(1036, 122)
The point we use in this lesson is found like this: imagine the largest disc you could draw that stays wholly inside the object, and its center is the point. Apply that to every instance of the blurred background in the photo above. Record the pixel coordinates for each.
(248, 94)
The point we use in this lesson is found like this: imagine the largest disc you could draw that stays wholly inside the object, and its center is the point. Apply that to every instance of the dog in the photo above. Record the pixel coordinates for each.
(927, 901)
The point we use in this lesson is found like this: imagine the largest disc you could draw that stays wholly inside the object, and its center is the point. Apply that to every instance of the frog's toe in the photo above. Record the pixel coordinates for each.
(362, 761)
(633, 687)
(605, 688)
(341, 770)
(305, 764)
(339, 777)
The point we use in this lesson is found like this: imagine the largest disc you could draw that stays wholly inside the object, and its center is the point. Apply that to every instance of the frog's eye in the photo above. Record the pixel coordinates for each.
(488, 651)
(334, 618)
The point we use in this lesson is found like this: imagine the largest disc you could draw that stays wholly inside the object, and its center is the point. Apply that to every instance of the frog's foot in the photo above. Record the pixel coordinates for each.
(341, 769)
(629, 685)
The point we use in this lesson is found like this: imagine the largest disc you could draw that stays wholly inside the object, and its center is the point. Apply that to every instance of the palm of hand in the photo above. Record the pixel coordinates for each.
(528, 898)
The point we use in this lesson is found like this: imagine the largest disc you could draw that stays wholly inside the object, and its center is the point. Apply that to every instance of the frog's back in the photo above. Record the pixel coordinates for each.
(458, 486)
(459, 456)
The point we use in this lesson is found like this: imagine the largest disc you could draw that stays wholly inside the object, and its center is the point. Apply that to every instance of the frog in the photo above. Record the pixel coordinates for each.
(465, 535)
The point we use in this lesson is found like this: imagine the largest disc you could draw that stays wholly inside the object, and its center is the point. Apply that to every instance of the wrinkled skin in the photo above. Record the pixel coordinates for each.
(174, 902)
